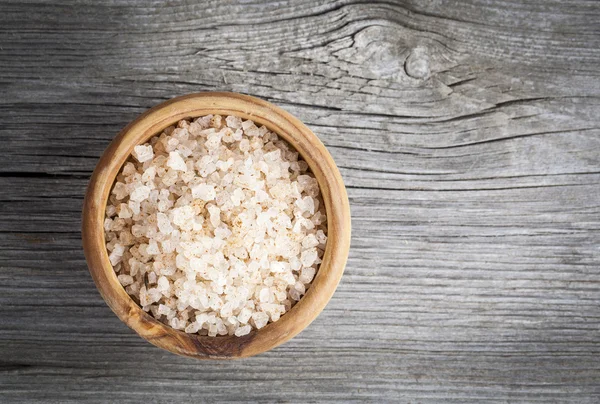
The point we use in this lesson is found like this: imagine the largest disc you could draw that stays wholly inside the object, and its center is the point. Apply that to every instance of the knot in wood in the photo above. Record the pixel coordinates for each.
(417, 64)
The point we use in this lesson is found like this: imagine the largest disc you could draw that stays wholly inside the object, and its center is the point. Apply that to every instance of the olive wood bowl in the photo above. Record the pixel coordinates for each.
(334, 196)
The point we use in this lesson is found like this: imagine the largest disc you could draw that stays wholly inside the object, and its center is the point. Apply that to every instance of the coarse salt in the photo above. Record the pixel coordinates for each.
(216, 226)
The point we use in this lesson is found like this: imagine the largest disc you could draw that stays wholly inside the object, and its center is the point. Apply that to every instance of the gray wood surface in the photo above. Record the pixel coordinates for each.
(468, 134)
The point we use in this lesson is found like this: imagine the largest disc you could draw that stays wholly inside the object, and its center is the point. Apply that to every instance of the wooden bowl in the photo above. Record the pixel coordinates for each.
(334, 195)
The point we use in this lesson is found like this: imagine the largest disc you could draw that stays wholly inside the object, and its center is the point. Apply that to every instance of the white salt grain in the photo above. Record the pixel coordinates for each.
(125, 280)
(176, 162)
(240, 332)
(244, 315)
(163, 284)
(309, 257)
(260, 319)
(143, 153)
(234, 122)
(216, 226)
(204, 191)
(307, 274)
(140, 193)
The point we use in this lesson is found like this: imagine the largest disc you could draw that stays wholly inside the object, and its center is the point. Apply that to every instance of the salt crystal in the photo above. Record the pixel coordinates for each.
(260, 319)
(295, 294)
(215, 218)
(277, 267)
(262, 130)
(306, 204)
(244, 145)
(163, 310)
(164, 224)
(171, 144)
(204, 191)
(234, 122)
(237, 197)
(143, 153)
(309, 257)
(307, 275)
(288, 278)
(176, 162)
(140, 193)
(245, 330)
(295, 263)
(310, 241)
(215, 121)
(177, 324)
(264, 295)
(226, 310)
(124, 211)
(321, 237)
(252, 131)
(192, 328)
(116, 254)
(111, 210)
(198, 264)
(183, 216)
(299, 286)
(244, 315)
(163, 284)
(125, 280)
(149, 174)
(152, 248)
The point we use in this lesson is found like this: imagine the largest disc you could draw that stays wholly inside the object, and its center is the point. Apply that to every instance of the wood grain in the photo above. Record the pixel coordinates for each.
(468, 136)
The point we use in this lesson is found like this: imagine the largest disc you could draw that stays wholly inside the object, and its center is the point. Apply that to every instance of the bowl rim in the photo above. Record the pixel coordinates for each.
(333, 191)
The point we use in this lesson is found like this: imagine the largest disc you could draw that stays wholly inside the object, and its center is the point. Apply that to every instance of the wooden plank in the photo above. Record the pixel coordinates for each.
(468, 137)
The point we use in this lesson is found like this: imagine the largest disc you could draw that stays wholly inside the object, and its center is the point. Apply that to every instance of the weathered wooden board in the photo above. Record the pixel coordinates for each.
(468, 135)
